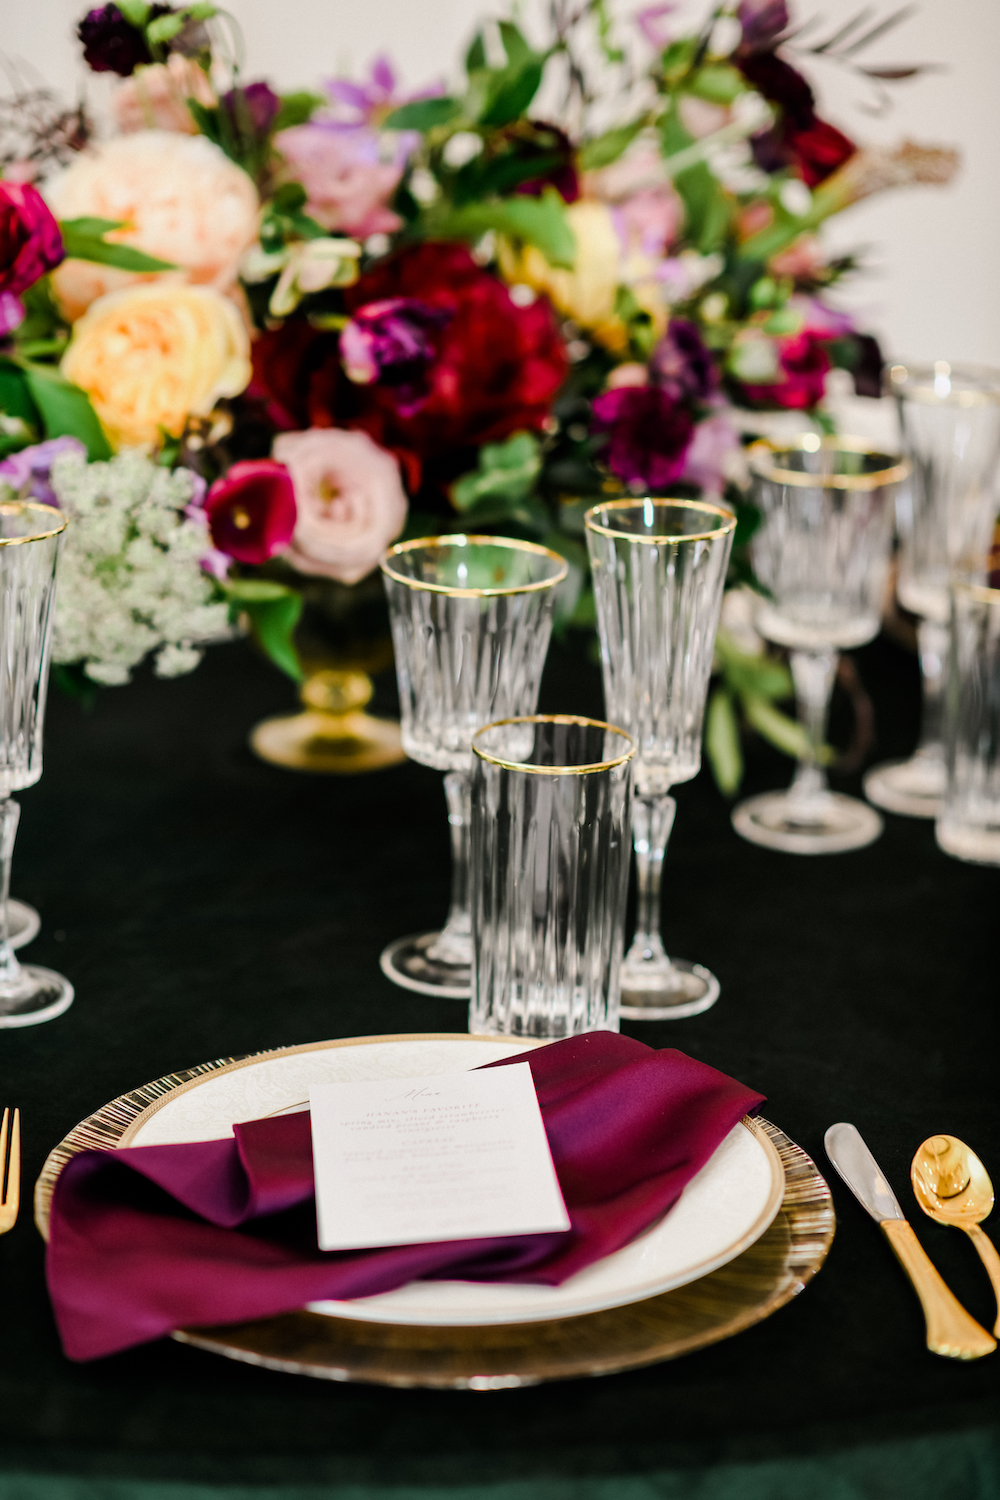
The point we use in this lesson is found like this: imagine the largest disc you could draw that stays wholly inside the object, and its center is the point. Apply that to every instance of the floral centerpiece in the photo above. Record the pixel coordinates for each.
(284, 329)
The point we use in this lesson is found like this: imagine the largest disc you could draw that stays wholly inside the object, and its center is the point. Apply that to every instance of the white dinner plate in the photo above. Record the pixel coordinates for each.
(723, 1209)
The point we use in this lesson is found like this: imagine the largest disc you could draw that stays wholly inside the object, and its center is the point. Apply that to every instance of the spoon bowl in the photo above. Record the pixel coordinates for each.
(953, 1187)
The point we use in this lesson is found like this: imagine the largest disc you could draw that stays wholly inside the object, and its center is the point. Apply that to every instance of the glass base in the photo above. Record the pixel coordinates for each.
(829, 823)
(667, 992)
(337, 744)
(37, 995)
(914, 788)
(23, 923)
(406, 963)
(977, 844)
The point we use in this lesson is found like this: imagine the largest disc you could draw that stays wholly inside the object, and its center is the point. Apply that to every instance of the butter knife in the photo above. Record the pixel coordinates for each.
(951, 1331)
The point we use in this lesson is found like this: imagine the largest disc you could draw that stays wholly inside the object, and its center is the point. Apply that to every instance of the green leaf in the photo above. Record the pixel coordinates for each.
(15, 398)
(519, 53)
(610, 146)
(511, 93)
(506, 471)
(784, 733)
(66, 410)
(423, 115)
(255, 590)
(722, 742)
(165, 28)
(83, 239)
(273, 617)
(718, 83)
(203, 11)
(540, 222)
(475, 58)
(136, 12)
(297, 109)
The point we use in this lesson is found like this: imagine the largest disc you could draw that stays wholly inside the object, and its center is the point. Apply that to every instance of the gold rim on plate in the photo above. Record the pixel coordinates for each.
(742, 1292)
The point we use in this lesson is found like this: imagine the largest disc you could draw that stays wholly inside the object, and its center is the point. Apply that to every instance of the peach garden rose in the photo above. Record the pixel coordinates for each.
(350, 501)
(150, 356)
(186, 201)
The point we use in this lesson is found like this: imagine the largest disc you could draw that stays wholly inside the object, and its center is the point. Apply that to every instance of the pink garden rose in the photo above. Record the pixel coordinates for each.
(350, 501)
(251, 511)
(30, 245)
(347, 185)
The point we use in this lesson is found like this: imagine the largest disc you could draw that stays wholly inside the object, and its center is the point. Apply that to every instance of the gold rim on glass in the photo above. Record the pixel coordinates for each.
(980, 592)
(918, 381)
(763, 455)
(727, 518)
(517, 765)
(20, 507)
(463, 539)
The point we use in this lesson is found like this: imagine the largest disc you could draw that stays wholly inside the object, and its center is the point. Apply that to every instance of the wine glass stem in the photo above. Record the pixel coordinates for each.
(10, 812)
(812, 673)
(932, 639)
(454, 943)
(652, 820)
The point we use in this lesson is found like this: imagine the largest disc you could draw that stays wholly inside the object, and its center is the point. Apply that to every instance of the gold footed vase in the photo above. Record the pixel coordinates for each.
(333, 735)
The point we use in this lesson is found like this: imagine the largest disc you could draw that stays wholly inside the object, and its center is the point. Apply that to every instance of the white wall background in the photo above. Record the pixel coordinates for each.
(932, 284)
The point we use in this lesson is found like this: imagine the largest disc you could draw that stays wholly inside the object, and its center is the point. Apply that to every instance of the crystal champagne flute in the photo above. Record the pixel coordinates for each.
(822, 552)
(471, 618)
(949, 417)
(659, 569)
(30, 535)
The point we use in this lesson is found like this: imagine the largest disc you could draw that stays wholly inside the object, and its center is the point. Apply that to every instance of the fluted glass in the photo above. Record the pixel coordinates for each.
(551, 810)
(30, 536)
(659, 568)
(471, 619)
(822, 553)
(949, 418)
(968, 825)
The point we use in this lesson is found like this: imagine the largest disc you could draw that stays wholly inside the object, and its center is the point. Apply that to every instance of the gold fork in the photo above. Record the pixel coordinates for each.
(10, 1167)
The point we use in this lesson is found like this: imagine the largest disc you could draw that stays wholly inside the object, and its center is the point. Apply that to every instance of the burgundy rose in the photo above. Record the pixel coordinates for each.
(804, 364)
(30, 245)
(800, 139)
(251, 511)
(649, 434)
(390, 342)
(111, 44)
(252, 110)
(681, 365)
(553, 151)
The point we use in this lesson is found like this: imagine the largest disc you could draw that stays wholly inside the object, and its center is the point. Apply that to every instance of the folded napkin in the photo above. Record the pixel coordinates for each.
(150, 1238)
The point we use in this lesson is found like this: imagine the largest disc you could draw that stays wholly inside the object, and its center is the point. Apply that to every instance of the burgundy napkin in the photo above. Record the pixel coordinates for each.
(151, 1238)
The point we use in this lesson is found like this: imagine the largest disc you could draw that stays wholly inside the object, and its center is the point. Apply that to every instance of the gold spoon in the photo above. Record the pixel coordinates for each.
(953, 1187)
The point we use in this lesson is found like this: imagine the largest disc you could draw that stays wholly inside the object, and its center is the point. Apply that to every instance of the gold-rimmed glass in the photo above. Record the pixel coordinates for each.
(659, 568)
(949, 422)
(551, 812)
(471, 618)
(822, 552)
(30, 538)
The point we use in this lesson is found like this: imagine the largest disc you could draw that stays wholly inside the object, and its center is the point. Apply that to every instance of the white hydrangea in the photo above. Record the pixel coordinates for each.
(130, 579)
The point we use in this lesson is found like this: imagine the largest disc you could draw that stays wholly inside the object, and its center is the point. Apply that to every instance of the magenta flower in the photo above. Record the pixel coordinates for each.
(389, 342)
(648, 435)
(252, 109)
(251, 511)
(763, 22)
(681, 364)
(30, 245)
(27, 472)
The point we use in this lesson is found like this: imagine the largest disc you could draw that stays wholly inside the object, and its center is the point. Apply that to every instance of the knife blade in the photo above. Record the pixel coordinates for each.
(951, 1331)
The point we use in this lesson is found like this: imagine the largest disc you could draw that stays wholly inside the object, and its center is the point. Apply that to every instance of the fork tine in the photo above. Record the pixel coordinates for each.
(10, 1201)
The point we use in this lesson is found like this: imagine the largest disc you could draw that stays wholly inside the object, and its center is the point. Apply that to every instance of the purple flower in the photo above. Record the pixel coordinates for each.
(111, 44)
(389, 342)
(253, 109)
(369, 103)
(649, 23)
(27, 472)
(648, 435)
(681, 364)
(763, 23)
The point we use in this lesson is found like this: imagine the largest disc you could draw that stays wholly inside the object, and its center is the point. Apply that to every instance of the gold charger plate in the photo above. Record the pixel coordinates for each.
(743, 1292)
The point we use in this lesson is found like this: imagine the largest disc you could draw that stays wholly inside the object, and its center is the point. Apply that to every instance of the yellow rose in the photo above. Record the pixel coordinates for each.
(152, 355)
(587, 293)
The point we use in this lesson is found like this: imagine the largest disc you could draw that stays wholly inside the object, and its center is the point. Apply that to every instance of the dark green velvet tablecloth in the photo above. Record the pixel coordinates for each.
(205, 904)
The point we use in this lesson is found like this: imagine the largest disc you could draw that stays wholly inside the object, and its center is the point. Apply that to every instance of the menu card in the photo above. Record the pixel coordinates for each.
(401, 1161)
